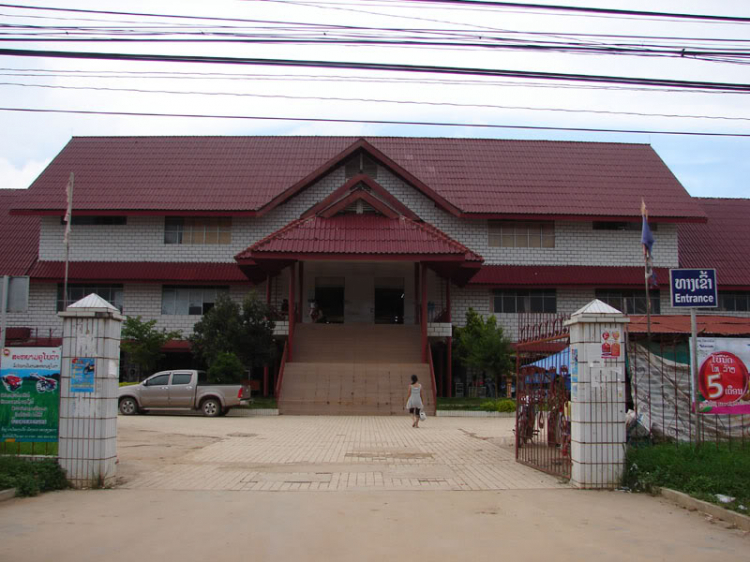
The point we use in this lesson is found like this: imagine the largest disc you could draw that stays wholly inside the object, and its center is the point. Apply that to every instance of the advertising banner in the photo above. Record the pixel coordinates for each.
(82, 374)
(30, 394)
(723, 376)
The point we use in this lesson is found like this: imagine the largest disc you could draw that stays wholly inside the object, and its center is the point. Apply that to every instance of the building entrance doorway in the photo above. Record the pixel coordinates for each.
(389, 300)
(329, 297)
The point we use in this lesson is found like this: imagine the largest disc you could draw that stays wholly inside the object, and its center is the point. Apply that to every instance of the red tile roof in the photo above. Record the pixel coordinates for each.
(669, 324)
(359, 235)
(476, 176)
(19, 236)
(550, 276)
(170, 272)
(722, 243)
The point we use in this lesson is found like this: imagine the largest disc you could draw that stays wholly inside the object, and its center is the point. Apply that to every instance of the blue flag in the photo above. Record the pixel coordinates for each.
(647, 239)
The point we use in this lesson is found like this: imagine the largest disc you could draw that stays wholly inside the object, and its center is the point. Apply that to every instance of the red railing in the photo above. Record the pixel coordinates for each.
(280, 379)
(432, 375)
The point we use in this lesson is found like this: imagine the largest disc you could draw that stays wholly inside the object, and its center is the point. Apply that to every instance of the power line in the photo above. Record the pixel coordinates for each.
(374, 100)
(376, 122)
(391, 67)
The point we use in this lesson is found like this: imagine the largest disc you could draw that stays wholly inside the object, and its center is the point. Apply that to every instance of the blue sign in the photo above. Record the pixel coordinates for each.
(693, 288)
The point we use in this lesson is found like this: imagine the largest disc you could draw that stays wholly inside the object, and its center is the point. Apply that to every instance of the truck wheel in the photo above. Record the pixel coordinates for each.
(211, 408)
(128, 407)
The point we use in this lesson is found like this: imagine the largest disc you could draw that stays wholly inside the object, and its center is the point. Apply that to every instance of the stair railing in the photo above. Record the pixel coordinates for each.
(432, 375)
(280, 379)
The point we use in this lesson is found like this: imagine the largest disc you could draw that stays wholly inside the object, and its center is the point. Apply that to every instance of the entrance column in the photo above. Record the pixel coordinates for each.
(597, 375)
(88, 392)
(424, 313)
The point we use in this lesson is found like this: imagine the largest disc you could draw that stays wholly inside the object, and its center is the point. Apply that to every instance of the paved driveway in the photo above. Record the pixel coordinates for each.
(316, 453)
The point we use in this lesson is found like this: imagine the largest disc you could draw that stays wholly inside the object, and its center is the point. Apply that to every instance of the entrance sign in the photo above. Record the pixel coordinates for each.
(723, 376)
(692, 288)
(30, 394)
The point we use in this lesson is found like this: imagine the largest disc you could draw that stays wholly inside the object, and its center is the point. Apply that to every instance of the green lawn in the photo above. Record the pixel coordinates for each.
(701, 472)
(473, 404)
(260, 403)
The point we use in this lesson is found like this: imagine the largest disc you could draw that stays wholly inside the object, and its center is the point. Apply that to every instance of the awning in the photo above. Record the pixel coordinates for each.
(139, 272)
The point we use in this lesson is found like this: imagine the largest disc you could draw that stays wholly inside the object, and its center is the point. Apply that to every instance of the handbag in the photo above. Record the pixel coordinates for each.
(422, 416)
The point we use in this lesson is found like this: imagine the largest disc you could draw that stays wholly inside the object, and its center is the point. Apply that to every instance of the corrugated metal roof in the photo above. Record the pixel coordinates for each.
(19, 236)
(680, 324)
(171, 272)
(234, 174)
(722, 243)
(353, 234)
(566, 275)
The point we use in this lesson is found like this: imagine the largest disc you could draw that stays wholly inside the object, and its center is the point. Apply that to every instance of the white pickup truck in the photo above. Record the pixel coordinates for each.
(181, 390)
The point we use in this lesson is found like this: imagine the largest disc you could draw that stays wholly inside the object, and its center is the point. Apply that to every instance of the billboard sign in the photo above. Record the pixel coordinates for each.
(693, 288)
(723, 366)
(30, 394)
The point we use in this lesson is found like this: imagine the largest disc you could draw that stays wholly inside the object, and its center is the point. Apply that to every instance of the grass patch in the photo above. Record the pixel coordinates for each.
(128, 383)
(701, 472)
(261, 403)
(477, 404)
(29, 478)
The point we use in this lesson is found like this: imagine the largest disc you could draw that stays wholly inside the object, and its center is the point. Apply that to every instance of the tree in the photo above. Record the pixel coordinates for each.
(482, 345)
(143, 342)
(245, 331)
(226, 368)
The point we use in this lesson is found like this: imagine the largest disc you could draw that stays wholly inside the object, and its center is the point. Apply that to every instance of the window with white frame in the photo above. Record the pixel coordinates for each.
(514, 234)
(184, 301)
(198, 230)
(734, 301)
(511, 301)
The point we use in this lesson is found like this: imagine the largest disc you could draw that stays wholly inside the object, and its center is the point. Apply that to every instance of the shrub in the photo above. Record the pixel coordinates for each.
(226, 368)
(506, 405)
(29, 478)
(488, 406)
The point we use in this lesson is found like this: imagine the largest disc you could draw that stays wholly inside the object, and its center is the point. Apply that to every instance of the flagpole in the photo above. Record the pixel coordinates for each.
(68, 220)
(646, 241)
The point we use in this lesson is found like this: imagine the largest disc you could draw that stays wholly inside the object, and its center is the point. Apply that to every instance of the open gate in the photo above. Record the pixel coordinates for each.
(543, 394)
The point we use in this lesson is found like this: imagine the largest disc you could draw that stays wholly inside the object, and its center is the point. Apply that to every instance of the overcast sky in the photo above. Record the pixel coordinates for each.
(706, 166)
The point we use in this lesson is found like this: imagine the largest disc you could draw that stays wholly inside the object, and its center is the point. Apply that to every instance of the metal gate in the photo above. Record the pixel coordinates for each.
(543, 394)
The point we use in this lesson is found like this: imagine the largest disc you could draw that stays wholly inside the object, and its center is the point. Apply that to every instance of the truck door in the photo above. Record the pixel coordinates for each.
(155, 391)
(182, 389)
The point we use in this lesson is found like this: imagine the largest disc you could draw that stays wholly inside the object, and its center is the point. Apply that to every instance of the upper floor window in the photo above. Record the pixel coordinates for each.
(630, 301)
(360, 164)
(614, 225)
(511, 301)
(113, 294)
(189, 300)
(96, 220)
(512, 234)
(734, 301)
(198, 230)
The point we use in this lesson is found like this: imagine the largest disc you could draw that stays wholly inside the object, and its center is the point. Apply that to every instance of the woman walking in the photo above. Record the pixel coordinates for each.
(414, 401)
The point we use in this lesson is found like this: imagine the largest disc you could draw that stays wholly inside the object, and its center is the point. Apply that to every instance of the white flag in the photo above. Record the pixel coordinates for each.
(69, 211)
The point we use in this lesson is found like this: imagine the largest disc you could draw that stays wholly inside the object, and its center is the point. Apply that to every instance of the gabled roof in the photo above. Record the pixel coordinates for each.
(722, 243)
(359, 237)
(468, 177)
(19, 236)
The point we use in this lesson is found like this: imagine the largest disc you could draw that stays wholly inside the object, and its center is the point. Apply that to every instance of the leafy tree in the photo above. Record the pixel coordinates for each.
(143, 342)
(226, 368)
(482, 345)
(246, 331)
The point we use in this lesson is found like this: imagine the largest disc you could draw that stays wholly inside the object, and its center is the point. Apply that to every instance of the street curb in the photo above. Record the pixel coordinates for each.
(473, 414)
(251, 413)
(737, 519)
(8, 494)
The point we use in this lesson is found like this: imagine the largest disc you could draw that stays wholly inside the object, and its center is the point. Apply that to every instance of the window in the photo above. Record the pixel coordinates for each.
(736, 301)
(182, 378)
(18, 294)
(158, 380)
(113, 294)
(360, 164)
(634, 226)
(509, 301)
(96, 220)
(185, 301)
(198, 230)
(511, 234)
(629, 301)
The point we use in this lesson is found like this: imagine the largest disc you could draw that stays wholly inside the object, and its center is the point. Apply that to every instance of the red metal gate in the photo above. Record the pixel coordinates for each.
(543, 395)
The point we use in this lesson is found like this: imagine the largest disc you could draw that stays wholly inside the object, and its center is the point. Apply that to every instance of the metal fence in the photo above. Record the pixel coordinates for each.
(659, 396)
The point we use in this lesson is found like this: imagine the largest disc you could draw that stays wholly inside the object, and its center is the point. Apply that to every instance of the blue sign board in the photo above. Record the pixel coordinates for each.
(693, 288)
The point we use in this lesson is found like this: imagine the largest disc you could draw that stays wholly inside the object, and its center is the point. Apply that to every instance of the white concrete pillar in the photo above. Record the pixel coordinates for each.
(597, 368)
(88, 392)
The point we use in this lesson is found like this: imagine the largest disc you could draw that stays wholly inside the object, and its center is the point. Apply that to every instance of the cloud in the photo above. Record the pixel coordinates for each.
(12, 177)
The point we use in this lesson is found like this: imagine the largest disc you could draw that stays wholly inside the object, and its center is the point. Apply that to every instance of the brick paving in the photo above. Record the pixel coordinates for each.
(347, 453)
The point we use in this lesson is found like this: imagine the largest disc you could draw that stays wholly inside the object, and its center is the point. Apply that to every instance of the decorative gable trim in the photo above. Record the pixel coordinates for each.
(355, 196)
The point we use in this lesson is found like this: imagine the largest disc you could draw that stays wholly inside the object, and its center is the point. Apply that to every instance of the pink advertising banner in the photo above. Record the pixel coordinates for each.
(723, 365)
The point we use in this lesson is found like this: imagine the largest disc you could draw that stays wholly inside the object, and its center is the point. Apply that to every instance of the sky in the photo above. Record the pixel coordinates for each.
(712, 166)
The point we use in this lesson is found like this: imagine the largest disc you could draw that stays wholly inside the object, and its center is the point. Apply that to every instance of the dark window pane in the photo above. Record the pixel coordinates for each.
(182, 378)
(158, 380)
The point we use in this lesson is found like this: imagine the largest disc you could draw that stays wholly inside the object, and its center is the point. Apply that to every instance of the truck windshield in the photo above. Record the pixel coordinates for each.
(202, 376)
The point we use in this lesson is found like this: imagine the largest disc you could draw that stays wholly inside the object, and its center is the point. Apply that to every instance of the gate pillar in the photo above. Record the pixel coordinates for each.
(88, 392)
(597, 370)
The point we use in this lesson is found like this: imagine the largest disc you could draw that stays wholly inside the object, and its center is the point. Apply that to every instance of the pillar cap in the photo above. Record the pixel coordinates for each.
(597, 311)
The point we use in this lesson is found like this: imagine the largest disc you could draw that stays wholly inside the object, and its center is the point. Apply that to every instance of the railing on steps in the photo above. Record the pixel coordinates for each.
(279, 380)
(432, 375)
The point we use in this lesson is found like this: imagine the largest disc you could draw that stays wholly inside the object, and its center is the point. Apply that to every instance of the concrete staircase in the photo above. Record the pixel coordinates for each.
(352, 369)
